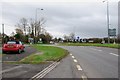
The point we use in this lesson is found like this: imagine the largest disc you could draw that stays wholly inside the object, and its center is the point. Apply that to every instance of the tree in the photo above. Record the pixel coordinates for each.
(60, 39)
(32, 27)
(66, 37)
(55, 39)
(46, 38)
(23, 23)
(0, 38)
(19, 34)
(12, 34)
(69, 38)
(39, 25)
(19, 31)
(72, 36)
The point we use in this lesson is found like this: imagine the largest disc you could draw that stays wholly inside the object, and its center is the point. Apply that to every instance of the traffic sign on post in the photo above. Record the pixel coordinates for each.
(112, 32)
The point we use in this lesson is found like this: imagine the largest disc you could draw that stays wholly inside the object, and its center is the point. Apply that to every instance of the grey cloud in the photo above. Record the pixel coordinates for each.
(88, 18)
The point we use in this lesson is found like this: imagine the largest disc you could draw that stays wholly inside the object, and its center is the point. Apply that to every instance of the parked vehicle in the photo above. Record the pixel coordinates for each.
(13, 46)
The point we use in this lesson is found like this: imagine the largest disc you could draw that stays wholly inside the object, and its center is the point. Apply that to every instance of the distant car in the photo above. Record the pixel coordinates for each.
(13, 46)
(51, 42)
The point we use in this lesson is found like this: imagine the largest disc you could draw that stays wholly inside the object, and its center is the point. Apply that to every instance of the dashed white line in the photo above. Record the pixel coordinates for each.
(96, 49)
(84, 77)
(71, 54)
(73, 57)
(114, 54)
(99, 50)
(78, 67)
(75, 60)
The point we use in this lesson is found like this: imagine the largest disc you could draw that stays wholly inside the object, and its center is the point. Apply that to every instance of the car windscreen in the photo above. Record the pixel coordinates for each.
(11, 42)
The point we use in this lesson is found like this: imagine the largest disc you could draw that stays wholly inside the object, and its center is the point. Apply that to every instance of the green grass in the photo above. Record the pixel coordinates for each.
(50, 53)
(91, 44)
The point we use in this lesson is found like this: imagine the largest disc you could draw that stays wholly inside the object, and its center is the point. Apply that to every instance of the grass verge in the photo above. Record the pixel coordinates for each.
(49, 53)
(91, 44)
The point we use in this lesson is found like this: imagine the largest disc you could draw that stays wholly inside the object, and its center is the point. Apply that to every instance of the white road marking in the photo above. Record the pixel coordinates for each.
(99, 50)
(73, 57)
(96, 49)
(71, 54)
(84, 77)
(78, 67)
(75, 60)
(7, 70)
(114, 54)
(45, 71)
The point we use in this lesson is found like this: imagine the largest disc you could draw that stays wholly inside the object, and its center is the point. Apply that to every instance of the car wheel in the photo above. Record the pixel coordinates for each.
(19, 51)
(3, 52)
(23, 50)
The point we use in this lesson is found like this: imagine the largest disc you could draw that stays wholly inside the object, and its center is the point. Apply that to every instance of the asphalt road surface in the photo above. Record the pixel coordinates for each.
(21, 71)
(82, 62)
(95, 62)
(16, 57)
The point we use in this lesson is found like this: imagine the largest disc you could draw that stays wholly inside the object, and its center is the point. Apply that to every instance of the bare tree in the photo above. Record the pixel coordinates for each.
(39, 26)
(23, 24)
(19, 31)
(72, 36)
(66, 37)
(32, 26)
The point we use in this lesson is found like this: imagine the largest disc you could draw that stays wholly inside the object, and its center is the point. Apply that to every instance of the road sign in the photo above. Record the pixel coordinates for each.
(112, 32)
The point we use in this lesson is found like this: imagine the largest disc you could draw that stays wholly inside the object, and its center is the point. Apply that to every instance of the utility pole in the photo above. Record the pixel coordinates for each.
(36, 21)
(2, 33)
(29, 31)
(24, 29)
(108, 21)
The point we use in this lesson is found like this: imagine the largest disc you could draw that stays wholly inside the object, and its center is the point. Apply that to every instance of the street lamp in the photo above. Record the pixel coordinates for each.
(2, 33)
(36, 18)
(108, 19)
(36, 22)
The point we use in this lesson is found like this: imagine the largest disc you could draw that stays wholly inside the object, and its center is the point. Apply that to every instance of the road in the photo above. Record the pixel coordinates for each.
(82, 62)
(95, 62)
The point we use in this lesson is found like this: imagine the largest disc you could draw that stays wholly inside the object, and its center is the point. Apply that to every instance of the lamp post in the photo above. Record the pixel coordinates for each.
(2, 33)
(108, 19)
(36, 22)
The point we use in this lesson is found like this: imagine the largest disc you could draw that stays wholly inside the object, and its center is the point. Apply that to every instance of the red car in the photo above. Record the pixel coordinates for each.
(13, 46)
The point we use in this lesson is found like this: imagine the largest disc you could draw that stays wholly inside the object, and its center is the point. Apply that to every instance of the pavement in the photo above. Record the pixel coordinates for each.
(21, 71)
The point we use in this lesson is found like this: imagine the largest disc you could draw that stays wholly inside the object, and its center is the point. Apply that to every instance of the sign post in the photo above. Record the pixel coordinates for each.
(112, 32)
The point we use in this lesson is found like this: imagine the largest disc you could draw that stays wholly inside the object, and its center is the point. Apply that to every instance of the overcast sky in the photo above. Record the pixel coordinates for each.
(85, 18)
